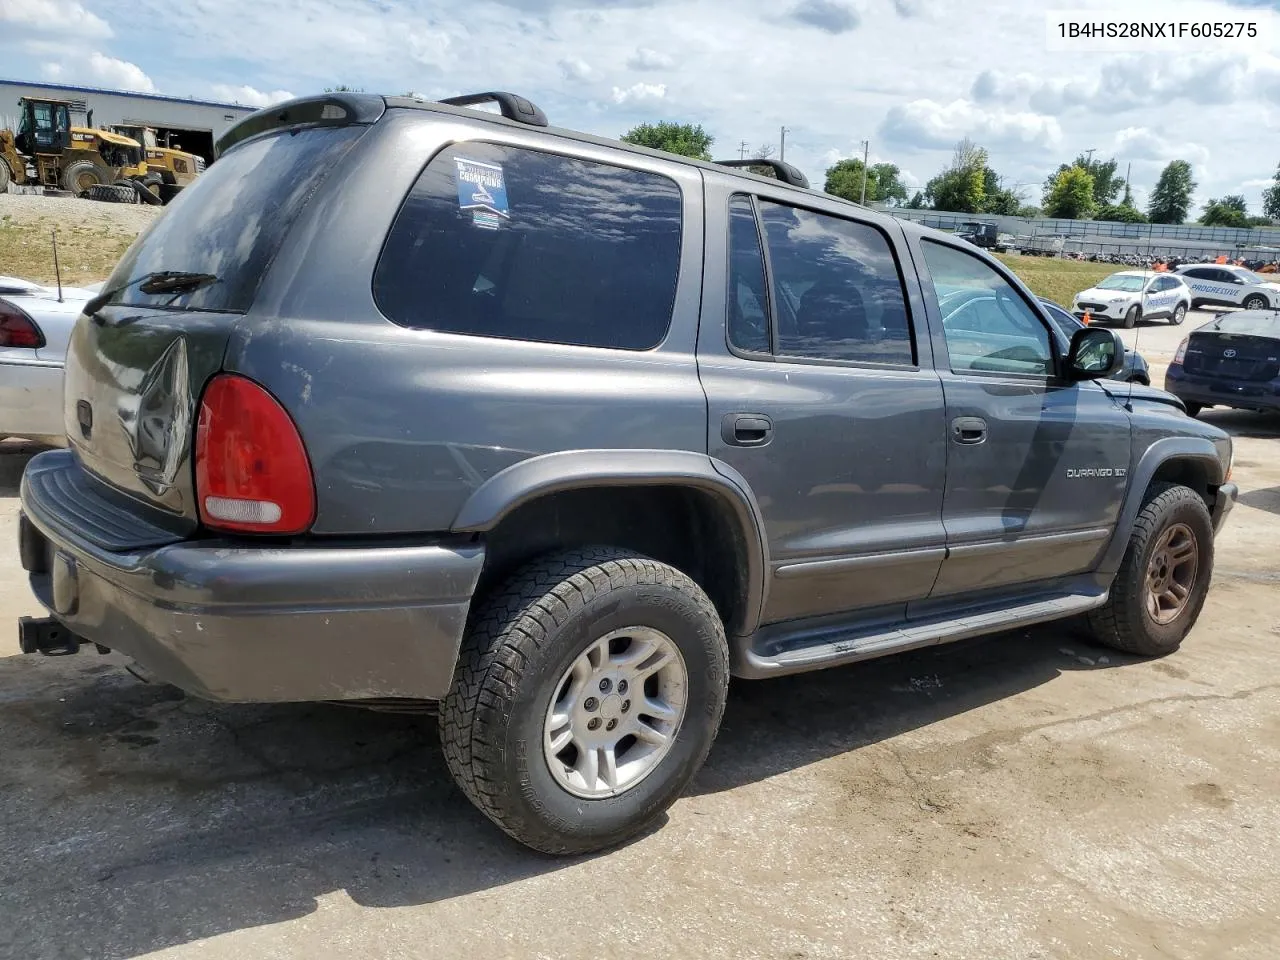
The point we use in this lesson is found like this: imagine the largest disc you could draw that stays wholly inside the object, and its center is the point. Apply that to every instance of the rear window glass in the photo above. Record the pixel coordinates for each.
(231, 220)
(505, 242)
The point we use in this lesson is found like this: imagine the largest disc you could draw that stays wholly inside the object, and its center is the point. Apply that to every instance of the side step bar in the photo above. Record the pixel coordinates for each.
(46, 635)
(793, 648)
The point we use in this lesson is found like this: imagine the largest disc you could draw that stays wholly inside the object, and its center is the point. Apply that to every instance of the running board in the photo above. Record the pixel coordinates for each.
(780, 649)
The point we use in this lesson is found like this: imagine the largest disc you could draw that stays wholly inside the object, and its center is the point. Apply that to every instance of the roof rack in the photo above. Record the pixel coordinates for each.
(513, 106)
(783, 171)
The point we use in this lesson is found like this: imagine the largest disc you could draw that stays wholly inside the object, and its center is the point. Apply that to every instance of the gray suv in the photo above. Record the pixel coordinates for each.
(407, 401)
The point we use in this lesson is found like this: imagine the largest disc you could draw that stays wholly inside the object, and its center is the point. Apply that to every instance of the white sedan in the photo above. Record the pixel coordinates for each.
(34, 329)
(1225, 285)
(1131, 295)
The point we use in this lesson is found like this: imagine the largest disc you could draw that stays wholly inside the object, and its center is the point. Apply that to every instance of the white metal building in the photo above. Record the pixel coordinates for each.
(191, 125)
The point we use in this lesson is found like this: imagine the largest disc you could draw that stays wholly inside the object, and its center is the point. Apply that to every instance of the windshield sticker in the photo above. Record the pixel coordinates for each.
(482, 189)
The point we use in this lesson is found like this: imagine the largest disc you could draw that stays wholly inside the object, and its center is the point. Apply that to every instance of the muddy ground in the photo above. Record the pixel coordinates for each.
(1022, 796)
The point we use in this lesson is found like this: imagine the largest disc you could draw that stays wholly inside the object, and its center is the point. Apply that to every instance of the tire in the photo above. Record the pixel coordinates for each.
(169, 191)
(512, 668)
(1179, 314)
(1193, 408)
(113, 193)
(79, 176)
(143, 195)
(1127, 621)
(1256, 301)
(1131, 317)
(5, 175)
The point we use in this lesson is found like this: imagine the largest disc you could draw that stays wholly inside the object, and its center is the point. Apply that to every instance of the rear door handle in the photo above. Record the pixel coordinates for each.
(968, 430)
(746, 429)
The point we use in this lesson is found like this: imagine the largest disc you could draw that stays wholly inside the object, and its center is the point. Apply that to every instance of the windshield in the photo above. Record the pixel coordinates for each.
(1123, 282)
(231, 220)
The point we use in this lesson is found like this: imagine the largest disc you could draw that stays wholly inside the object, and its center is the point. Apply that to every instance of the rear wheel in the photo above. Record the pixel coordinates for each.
(1131, 317)
(1179, 315)
(1193, 408)
(83, 174)
(588, 692)
(1255, 302)
(5, 175)
(1163, 578)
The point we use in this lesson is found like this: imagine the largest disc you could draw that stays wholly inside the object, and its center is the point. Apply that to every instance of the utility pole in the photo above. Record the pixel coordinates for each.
(782, 149)
(866, 153)
(742, 150)
(1091, 151)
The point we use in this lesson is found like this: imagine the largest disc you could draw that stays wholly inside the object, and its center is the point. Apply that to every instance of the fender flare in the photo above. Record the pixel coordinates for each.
(552, 473)
(1201, 450)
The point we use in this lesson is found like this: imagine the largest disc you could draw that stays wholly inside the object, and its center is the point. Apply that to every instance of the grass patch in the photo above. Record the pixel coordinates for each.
(86, 255)
(1059, 280)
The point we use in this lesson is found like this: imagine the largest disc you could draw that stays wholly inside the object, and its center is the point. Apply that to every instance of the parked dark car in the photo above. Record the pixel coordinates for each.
(1133, 370)
(1232, 362)
(404, 400)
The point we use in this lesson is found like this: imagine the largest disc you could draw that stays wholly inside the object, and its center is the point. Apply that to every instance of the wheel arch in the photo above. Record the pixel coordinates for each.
(1190, 461)
(705, 506)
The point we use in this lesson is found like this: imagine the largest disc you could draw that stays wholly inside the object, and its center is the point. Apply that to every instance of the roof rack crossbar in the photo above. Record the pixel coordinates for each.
(513, 106)
(782, 170)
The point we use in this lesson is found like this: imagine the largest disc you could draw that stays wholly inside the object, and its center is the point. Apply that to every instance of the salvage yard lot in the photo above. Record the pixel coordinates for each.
(1028, 795)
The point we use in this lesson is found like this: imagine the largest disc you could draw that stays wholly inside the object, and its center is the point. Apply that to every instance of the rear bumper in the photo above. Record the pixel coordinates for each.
(1247, 394)
(31, 398)
(225, 621)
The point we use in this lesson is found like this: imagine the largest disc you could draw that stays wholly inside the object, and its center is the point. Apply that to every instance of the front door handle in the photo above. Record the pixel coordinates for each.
(746, 429)
(968, 430)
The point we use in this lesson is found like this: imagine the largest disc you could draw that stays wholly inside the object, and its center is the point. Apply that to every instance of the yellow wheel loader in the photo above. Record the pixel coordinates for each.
(168, 170)
(49, 152)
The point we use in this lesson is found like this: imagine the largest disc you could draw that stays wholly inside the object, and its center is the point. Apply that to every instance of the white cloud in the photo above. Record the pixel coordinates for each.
(1156, 146)
(927, 123)
(646, 58)
(51, 71)
(118, 74)
(574, 69)
(430, 47)
(640, 92)
(249, 96)
(67, 18)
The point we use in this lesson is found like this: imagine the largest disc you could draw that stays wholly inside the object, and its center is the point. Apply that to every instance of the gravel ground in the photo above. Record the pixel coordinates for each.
(68, 212)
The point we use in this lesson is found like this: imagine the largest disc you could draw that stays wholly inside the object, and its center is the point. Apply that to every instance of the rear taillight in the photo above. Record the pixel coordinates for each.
(1182, 350)
(252, 471)
(17, 329)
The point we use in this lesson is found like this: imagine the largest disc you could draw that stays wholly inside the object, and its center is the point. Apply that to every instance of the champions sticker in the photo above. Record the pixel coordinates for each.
(482, 189)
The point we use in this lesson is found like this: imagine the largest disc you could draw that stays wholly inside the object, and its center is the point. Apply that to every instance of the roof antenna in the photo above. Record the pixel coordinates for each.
(57, 271)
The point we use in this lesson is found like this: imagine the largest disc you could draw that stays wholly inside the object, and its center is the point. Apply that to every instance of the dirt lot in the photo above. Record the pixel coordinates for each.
(1023, 796)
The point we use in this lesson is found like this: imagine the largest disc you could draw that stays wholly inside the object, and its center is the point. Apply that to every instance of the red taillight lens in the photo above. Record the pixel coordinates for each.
(252, 471)
(17, 329)
(1182, 351)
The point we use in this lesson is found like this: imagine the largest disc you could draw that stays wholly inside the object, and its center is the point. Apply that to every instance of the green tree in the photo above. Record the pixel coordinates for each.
(1071, 197)
(1271, 199)
(1120, 213)
(1171, 198)
(1230, 211)
(961, 187)
(884, 183)
(1105, 182)
(685, 139)
(917, 201)
(343, 88)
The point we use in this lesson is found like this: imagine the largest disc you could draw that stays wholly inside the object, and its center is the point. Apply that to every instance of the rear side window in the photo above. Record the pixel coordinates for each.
(505, 242)
(231, 220)
(836, 290)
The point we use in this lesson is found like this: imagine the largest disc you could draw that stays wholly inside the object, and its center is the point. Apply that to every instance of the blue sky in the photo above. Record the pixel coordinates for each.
(913, 76)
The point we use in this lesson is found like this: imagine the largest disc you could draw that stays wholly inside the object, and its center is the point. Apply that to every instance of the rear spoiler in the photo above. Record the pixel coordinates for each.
(331, 110)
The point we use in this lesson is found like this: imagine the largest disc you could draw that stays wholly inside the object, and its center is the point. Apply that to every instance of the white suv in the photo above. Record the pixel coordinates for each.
(1225, 285)
(1132, 294)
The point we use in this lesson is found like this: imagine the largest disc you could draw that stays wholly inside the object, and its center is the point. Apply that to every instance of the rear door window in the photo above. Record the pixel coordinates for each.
(498, 241)
(232, 218)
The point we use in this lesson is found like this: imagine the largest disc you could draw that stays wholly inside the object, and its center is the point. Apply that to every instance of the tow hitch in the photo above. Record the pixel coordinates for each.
(46, 635)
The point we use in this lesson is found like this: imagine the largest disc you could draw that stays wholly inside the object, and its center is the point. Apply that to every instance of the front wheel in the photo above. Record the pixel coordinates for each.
(1255, 302)
(1179, 315)
(1131, 317)
(587, 694)
(1163, 579)
(1193, 408)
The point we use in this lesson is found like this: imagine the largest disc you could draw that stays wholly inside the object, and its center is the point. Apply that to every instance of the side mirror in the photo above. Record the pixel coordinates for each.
(1096, 354)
